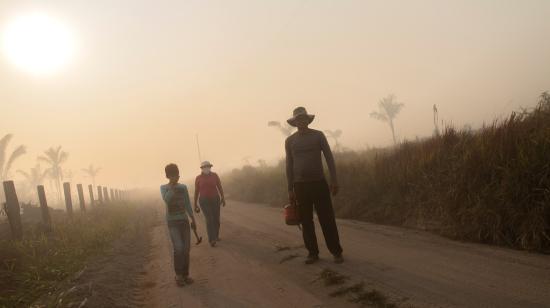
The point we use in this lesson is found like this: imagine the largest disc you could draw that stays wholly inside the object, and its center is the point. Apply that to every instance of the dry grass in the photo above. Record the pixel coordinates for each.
(365, 298)
(35, 265)
(490, 185)
(331, 278)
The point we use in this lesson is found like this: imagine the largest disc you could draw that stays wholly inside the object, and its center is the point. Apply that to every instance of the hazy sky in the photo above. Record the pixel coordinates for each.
(148, 75)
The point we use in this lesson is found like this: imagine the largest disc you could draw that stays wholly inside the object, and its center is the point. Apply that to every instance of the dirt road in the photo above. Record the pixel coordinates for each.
(259, 263)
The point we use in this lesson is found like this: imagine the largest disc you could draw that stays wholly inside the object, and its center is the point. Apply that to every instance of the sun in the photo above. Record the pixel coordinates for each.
(37, 43)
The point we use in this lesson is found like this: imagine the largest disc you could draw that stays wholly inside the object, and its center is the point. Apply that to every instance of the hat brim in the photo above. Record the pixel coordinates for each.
(292, 121)
(207, 166)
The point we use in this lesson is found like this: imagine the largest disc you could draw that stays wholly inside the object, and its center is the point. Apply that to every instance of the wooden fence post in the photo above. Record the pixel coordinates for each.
(81, 197)
(100, 194)
(112, 195)
(106, 194)
(46, 219)
(91, 190)
(13, 210)
(68, 199)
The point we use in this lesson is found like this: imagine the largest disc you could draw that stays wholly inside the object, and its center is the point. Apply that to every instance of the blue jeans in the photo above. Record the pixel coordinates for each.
(180, 234)
(211, 210)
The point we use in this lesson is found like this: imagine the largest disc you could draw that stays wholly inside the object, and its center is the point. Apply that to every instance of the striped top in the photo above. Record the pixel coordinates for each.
(176, 198)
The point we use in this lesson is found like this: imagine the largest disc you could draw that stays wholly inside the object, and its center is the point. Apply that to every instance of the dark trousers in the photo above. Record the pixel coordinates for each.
(308, 195)
(211, 210)
(180, 234)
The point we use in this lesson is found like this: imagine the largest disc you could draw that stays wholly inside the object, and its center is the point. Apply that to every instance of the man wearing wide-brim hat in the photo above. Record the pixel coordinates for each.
(307, 185)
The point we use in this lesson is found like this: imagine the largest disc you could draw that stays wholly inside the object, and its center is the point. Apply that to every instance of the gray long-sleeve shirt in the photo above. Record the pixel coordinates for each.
(303, 157)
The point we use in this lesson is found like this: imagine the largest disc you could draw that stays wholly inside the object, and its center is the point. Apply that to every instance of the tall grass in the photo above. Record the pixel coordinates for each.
(33, 266)
(490, 185)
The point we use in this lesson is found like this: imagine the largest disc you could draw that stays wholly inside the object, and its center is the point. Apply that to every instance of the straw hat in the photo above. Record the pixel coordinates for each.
(205, 164)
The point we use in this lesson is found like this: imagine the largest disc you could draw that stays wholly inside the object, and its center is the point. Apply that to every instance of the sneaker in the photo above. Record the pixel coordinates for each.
(213, 243)
(338, 259)
(188, 280)
(180, 280)
(312, 259)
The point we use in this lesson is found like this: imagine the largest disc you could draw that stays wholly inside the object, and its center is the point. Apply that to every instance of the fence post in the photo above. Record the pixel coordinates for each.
(81, 197)
(13, 210)
(46, 219)
(100, 194)
(106, 194)
(112, 195)
(68, 199)
(91, 190)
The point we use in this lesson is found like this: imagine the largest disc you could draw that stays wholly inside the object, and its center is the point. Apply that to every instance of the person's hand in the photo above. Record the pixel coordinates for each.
(334, 189)
(223, 201)
(291, 197)
(197, 209)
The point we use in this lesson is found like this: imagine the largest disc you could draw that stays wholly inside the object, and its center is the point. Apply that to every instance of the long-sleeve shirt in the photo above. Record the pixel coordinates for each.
(178, 204)
(208, 185)
(303, 157)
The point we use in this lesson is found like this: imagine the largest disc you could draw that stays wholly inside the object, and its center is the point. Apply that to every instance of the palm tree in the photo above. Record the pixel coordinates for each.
(55, 157)
(388, 109)
(286, 129)
(35, 176)
(5, 166)
(92, 172)
(335, 134)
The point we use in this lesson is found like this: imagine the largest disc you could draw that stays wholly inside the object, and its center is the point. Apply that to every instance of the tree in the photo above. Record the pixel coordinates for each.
(35, 176)
(5, 165)
(55, 157)
(388, 109)
(246, 160)
(286, 129)
(335, 134)
(92, 172)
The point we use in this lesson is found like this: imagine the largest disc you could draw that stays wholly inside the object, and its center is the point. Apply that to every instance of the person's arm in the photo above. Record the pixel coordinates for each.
(325, 147)
(289, 171)
(220, 189)
(166, 193)
(196, 196)
(188, 208)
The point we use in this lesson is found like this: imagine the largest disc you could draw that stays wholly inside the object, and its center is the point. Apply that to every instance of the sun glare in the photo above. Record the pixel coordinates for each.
(37, 43)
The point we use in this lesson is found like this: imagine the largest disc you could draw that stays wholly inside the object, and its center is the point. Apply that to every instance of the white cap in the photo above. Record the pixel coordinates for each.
(206, 164)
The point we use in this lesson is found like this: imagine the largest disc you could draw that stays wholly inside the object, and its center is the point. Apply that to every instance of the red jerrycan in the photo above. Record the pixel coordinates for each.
(292, 215)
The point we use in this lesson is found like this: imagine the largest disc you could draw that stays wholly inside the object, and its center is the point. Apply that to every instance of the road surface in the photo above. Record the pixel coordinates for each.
(259, 263)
